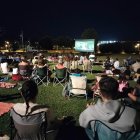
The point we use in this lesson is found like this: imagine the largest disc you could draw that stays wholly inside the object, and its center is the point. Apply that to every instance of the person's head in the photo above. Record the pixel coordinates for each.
(3, 60)
(29, 92)
(138, 60)
(108, 87)
(60, 61)
(40, 62)
(122, 77)
(138, 71)
(23, 58)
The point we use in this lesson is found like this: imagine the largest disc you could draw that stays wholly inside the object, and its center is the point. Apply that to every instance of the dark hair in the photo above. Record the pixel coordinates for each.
(122, 77)
(138, 70)
(109, 87)
(138, 81)
(29, 91)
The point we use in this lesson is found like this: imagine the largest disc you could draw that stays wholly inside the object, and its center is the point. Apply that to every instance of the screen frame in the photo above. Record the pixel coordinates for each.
(84, 41)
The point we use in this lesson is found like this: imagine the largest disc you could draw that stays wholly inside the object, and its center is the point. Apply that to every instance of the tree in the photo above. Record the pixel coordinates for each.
(46, 43)
(90, 33)
(15, 46)
(63, 42)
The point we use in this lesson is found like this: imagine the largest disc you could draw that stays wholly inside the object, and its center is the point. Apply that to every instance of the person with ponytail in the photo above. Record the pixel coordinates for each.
(29, 92)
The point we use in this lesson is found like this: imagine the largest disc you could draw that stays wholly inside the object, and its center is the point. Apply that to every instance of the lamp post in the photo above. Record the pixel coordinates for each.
(7, 45)
(137, 46)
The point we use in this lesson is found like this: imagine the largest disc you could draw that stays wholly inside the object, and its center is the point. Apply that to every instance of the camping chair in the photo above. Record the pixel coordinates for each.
(76, 86)
(100, 131)
(29, 127)
(60, 77)
(40, 75)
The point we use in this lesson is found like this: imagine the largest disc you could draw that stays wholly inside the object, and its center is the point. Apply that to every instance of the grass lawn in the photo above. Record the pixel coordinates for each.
(53, 97)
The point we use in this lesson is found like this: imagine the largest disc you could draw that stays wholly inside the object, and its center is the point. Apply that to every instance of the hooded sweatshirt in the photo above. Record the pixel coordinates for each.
(113, 113)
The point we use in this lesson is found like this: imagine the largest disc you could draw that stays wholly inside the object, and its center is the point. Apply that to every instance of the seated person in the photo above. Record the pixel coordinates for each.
(115, 71)
(136, 65)
(108, 110)
(135, 95)
(127, 72)
(59, 65)
(42, 69)
(108, 71)
(123, 83)
(137, 75)
(35, 60)
(116, 64)
(24, 67)
(95, 88)
(29, 92)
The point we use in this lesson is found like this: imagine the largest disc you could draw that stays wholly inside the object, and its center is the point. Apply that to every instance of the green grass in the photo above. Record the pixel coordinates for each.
(53, 97)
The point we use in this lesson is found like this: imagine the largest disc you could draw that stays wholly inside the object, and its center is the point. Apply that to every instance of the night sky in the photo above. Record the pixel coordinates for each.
(112, 19)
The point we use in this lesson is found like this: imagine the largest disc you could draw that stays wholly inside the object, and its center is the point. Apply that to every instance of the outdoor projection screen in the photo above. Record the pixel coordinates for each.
(84, 45)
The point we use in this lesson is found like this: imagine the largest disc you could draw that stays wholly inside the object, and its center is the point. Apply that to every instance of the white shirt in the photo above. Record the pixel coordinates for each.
(4, 67)
(117, 64)
(91, 57)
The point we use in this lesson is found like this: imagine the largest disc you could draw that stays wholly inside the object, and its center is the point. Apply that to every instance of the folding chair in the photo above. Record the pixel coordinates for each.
(76, 86)
(40, 75)
(101, 131)
(29, 127)
(60, 77)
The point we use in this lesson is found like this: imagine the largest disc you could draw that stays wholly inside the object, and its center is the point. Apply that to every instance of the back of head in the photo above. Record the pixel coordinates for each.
(108, 87)
(23, 58)
(138, 60)
(60, 61)
(138, 70)
(29, 90)
(122, 77)
(40, 62)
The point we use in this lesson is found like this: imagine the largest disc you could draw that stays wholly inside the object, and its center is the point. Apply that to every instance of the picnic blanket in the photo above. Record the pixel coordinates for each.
(5, 107)
(7, 85)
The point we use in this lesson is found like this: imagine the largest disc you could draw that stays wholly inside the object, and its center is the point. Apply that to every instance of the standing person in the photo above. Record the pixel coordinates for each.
(92, 58)
(112, 112)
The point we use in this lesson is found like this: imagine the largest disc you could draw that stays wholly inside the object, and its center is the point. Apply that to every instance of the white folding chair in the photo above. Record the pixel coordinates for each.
(77, 85)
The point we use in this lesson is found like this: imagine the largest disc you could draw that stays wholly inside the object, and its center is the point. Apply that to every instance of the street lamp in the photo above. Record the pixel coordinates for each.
(7, 45)
(137, 46)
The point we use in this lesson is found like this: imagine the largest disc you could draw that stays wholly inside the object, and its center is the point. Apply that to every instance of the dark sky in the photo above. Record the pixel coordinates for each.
(112, 19)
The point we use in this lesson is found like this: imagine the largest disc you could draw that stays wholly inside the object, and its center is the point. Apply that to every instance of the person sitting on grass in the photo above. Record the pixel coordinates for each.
(112, 112)
(135, 95)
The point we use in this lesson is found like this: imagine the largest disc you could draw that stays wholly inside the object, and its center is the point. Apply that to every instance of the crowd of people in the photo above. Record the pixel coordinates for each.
(117, 105)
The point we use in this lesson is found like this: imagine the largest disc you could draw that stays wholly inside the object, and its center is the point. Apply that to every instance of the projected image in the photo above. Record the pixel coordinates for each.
(84, 45)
